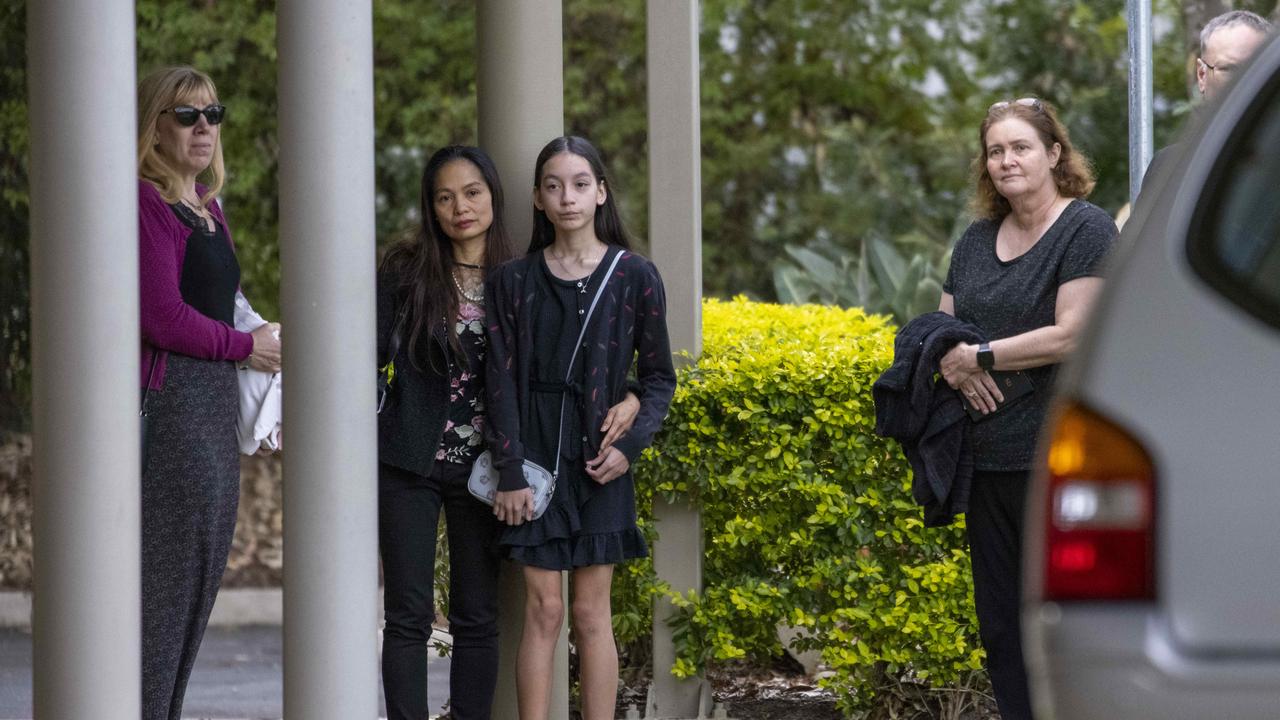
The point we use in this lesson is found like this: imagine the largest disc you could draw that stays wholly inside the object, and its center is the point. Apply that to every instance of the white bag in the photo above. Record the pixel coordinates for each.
(483, 483)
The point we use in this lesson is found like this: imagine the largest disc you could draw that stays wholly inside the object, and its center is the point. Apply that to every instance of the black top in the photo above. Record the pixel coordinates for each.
(629, 326)
(210, 271)
(561, 305)
(1007, 298)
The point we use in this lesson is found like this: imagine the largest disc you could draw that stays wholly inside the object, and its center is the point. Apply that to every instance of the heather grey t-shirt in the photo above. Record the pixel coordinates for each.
(1004, 299)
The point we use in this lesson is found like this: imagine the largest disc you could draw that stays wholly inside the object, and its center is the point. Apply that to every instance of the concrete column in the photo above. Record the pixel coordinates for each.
(86, 621)
(520, 103)
(675, 241)
(519, 94)
(327, 251)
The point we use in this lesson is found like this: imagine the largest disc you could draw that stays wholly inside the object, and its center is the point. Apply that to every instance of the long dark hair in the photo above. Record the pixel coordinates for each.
(608, 221)
(422, 265)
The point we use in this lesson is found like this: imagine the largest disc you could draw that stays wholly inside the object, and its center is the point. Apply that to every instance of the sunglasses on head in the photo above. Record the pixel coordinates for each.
(1033, 103)
(187, 115)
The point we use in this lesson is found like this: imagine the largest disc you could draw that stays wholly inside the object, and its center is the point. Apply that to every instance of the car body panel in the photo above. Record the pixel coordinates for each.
(1122, 668)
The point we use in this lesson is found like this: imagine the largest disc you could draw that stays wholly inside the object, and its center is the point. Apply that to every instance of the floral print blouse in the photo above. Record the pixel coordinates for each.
(464, 430)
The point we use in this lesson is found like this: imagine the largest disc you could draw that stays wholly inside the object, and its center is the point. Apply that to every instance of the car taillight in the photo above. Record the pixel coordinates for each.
(1101, 512)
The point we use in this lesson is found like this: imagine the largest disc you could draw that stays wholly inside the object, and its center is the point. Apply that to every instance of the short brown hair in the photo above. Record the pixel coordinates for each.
(1073, 174)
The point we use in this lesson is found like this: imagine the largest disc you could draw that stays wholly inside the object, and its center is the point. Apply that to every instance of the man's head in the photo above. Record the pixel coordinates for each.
(1226, 43)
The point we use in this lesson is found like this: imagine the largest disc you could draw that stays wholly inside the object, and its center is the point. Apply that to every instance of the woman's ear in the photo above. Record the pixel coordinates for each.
(537, 205)
(602, 193)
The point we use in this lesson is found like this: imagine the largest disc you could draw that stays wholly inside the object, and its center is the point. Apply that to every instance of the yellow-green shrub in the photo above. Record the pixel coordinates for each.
(807, 514)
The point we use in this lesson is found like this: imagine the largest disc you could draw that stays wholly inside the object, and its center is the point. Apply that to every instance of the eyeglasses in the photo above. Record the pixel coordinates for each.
(1033, 103)
(187, 115)
(1223, 68)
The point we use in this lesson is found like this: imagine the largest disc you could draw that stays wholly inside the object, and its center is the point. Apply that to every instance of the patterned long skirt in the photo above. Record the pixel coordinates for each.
(190, 491)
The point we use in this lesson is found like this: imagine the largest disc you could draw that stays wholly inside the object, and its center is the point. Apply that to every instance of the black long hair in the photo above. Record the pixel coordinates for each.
(422, 265)
(608, 221)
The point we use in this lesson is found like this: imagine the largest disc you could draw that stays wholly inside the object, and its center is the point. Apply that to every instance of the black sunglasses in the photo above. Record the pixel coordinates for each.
(187, 115)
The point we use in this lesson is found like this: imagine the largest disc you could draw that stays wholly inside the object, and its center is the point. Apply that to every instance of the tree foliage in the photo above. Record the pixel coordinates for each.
(826, 125)
(808, 519)
(15, 229)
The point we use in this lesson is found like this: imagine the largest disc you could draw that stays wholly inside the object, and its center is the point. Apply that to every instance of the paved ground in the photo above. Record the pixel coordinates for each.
(239, 674)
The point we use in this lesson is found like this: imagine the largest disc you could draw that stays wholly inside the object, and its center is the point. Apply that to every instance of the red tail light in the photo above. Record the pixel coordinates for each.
(1101, 512)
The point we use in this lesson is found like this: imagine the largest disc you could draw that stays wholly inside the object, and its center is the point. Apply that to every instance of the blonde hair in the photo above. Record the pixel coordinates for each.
(160, 91)
(1073, 175)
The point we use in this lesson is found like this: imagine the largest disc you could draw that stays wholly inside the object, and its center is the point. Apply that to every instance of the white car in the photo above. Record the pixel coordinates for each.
(1152, 583)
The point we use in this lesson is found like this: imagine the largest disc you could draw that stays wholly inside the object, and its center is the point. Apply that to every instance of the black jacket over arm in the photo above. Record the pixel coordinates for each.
(629, 326)
(411, 424)
(926, 416)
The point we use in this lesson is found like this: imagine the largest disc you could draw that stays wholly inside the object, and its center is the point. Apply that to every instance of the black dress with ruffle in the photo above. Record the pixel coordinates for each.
(586, 523)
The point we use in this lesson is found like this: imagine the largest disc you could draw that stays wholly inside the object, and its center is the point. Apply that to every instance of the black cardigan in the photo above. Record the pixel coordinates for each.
(926, 416)
(629, 325)
(411, 424)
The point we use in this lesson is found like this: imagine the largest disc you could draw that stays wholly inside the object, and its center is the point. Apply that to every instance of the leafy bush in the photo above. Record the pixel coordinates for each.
(880, 279)
(807, 514)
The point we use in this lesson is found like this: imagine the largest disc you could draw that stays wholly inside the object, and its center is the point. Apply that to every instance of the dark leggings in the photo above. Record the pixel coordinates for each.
(408, 514)
(995, 522)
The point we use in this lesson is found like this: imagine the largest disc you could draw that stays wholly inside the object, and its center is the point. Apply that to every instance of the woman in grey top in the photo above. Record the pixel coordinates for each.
(1025, 273)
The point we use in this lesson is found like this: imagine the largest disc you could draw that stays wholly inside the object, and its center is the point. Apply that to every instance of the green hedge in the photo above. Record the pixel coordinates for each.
(807, 514)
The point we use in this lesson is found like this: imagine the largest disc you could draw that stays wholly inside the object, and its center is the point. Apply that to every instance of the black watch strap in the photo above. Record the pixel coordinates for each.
(986, 358)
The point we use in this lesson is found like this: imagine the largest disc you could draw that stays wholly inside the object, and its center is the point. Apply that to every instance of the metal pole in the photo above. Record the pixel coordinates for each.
(1141, 142)
(86, 620)
(520, 107)
(327, 250)
(675, 222)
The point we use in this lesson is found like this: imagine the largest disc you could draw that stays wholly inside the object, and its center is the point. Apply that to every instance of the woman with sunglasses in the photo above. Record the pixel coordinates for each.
(545, 326)
(431, 430)
(189, 278)
(1024, 273)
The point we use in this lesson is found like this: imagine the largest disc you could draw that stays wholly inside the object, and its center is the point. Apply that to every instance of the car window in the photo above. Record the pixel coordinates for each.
(1234, 243)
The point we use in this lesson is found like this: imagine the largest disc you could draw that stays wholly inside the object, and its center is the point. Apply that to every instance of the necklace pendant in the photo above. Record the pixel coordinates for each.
(473, 296)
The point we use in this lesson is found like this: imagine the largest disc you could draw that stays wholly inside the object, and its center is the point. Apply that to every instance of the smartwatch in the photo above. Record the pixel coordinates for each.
(986, 358)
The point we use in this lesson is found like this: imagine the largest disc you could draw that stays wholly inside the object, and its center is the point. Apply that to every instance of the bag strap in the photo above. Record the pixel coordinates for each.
(568, 374)
(393, 348)
(146, 390)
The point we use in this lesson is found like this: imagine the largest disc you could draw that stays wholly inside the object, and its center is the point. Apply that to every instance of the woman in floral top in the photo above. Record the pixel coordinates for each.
(430, 430)
(427, 435)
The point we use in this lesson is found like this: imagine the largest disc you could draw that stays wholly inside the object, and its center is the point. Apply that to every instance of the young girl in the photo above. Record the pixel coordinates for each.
(537, 305)
(429, 433)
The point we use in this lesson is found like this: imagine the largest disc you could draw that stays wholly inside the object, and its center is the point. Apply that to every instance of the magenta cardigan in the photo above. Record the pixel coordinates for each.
(168, 323)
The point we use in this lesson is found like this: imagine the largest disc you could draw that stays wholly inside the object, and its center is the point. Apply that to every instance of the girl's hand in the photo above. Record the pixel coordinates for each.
(606, 466)
(513, 507)
(619, 420)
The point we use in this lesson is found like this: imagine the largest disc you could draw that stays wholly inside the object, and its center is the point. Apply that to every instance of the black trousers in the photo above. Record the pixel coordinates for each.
(408, 514)
(995, 522)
